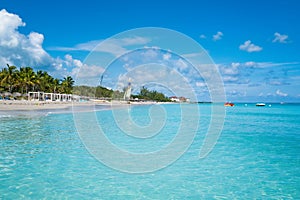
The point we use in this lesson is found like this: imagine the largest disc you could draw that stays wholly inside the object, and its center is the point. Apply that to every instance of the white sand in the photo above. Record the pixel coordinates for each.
(14, 105)
(7, 105)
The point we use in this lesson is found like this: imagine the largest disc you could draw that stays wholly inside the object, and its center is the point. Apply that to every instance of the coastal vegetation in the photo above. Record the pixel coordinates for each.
(152, 95)
(102, 92)
(90, 91)
(25, 79)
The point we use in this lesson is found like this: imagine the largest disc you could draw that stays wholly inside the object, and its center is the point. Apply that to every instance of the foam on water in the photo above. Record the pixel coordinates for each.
(26, 114)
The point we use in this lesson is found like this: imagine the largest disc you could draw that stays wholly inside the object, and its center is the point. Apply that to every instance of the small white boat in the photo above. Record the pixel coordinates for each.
(260, 104)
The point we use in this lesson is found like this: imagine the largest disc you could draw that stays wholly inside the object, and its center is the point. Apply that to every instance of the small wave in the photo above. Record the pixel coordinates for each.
(25, 114)
(5, 116)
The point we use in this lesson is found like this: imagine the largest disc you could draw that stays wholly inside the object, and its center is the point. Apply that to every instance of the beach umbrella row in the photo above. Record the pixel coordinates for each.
(6, 94)
(15, 94)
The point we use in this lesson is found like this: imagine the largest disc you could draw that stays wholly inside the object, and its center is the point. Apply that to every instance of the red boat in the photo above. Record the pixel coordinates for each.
(229, 104)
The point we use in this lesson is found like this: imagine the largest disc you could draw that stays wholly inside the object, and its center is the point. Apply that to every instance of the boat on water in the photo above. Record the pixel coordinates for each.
(229, 104)
(260, 104)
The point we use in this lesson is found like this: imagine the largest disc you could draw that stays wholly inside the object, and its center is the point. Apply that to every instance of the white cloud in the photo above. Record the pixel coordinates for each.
(275, 82)
(250, 47)
(231, 70)
(250, 64)
(137, 40)
(87, 71)
(202, 36)
(282, 94)
(70, 61)
(235, 65)
(113, 46)
(280, 38)
(126, 66)
(234, 93)
(218, 36)
(149, 54)
(158, 77)
(82, 70)
(230, 78)
(267, 64)
(18, 49)
(9, 23)
(181, 64)
(21, 50)
(194, 55)
(167, 56)
(200, 84)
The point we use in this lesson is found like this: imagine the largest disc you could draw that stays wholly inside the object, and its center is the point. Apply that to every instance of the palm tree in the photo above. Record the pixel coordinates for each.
(48, 80)
(2, 74)
(55, 85)
(9, 77)
(67, 84)
(27, 78)
(43, 81)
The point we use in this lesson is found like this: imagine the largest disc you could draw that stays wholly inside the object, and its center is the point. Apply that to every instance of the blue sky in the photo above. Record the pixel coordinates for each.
(254, 44)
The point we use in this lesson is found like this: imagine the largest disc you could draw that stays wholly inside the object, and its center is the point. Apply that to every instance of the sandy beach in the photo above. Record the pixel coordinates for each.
(24, 105)
(9, 105)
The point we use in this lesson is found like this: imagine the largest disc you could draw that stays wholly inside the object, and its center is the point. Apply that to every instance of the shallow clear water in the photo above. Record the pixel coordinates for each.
(256, 157)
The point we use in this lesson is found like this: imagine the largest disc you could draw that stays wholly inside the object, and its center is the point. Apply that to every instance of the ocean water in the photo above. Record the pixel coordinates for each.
(257, 156)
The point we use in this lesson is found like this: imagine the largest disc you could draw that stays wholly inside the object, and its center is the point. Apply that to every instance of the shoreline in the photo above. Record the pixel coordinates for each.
(24, 105)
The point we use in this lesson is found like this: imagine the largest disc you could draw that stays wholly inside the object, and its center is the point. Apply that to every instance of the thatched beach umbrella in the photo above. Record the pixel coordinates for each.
(17, 94)
(6, 94)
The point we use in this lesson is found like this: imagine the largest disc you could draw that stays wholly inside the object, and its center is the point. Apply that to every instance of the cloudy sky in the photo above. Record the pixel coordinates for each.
(253, 44)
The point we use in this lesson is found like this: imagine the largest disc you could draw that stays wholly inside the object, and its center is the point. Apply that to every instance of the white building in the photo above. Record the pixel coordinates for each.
(43, 96)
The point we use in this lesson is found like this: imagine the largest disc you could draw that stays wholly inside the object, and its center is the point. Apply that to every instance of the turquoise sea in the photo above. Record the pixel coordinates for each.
(256, 157)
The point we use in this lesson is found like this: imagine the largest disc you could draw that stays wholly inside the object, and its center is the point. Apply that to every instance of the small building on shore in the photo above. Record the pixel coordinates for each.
(44, 96)
(179, 99)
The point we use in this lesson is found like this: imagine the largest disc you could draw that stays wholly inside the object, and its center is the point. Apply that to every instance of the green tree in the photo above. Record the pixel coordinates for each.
(27, 78)
(103, 92)
(144, 93)
(8, 77)
(44, 81)
(151, 95)
(55, 85)
(67, 84)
